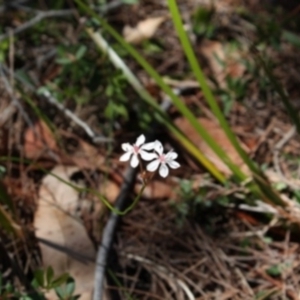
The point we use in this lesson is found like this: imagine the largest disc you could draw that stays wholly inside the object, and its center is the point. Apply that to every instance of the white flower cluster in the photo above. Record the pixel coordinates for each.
(160, 161)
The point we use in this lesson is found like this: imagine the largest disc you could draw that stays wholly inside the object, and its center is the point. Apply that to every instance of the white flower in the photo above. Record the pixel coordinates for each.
(137, 149)
(163, 160)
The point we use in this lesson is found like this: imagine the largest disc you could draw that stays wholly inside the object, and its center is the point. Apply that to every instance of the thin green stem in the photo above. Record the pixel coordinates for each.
(80, 189)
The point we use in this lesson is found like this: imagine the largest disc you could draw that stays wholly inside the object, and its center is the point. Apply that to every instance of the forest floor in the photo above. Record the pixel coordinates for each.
(65, 110)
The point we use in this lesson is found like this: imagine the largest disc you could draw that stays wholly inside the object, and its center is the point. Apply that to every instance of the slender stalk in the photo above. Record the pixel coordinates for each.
(75, 187)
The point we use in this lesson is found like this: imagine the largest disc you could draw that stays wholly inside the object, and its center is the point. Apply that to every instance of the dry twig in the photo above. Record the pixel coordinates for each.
(109, 233)
(40, 16)
(15, 101)
(96, 138)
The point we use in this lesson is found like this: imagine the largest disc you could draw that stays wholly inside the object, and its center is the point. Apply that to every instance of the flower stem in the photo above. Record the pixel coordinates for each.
(133, 204)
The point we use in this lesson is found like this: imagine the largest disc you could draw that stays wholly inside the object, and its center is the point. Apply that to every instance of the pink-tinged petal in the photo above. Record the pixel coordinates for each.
(171, 155)
(173, 164)
(159, 147)
(134, 161)
(153, 166)
(140, 140)
(125, 156)
(163, 171)
(147, 156)
(126, 147)
(148, 146)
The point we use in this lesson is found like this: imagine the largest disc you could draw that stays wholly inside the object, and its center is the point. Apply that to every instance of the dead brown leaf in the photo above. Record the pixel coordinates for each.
(218, 135)
(87, 156)
(157, 189)
(110, 190)
(144, 30)
(223, 61)
(38, 140)
(56, 222)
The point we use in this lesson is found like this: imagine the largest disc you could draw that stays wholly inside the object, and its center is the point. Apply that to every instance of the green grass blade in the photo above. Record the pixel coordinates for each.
(203, 84)
(265, 188)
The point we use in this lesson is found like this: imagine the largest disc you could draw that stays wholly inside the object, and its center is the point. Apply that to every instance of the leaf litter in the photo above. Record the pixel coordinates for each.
(233, 254)
(143, 31)
(55, 220)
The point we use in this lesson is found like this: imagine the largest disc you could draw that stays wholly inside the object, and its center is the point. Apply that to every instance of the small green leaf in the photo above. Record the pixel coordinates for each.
(41, 90)
(297, 195)
(267, 240)
(25, 297)
(60, 292)
(60, 280)
(121, 110)
(49, 276)
(64, 61)
(223, 200)
(39, 277)
(70, 286)
(279, 186)
(130, 1)
(2, 171)
(109, 110)
(291, 38)
(202, 21)
(4, 45)
(66, 290)
(80, 52)
(274, 270)
(21, 73)
(264, 294)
